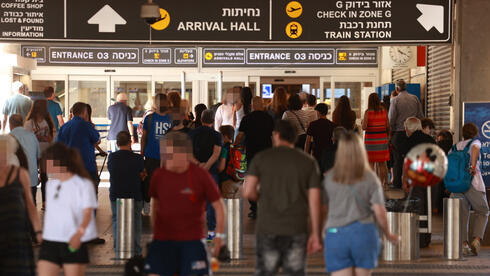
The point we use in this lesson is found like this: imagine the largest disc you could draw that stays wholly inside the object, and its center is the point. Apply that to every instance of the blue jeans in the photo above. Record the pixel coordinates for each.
(138, 206)
(210, 213)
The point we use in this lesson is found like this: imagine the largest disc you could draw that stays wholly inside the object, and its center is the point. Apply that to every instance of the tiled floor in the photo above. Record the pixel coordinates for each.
(430, 263)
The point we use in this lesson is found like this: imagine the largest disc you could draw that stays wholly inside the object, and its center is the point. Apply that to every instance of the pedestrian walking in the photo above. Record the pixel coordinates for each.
(343, 115)
(69, 222)
(206, 145)
(16, 211)
(127, 170)
(179, 192)
(402, 107)
(121, 119)
(319, 133)
(377, 127)
(18, 103)
(475, 197)
(285, 182)
(355, 201)
(30, 145)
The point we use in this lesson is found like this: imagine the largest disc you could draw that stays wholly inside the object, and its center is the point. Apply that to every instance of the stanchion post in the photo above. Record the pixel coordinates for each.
(234, 226)
(453, 229)
(125, 228)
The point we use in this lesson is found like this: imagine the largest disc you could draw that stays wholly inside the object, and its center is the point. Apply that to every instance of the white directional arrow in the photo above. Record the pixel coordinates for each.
(107, 19)
(432, 16)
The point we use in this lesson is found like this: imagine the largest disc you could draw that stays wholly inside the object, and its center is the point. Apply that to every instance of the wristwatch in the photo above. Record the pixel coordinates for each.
(220, 236)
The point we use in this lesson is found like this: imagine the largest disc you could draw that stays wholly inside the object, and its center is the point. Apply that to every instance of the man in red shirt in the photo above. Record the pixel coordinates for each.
(179, 191)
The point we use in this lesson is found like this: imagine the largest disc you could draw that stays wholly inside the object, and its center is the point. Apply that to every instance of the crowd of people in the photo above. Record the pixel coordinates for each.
(312, 183)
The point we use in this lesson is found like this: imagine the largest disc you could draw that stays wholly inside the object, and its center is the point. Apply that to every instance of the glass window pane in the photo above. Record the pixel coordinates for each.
(59, 90)
(212, 96)
(353, 91)
(138, 94)
(327, 95)
(91, 92)
(166, 86)
(188, 94)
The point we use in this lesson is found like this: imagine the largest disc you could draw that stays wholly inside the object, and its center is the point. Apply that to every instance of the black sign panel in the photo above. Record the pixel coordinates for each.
(112, 56)
(223, 56)
(96, 56)
(38, 53)
(185, 56)
(31, 19)
(378, 21)
(351, 56)
(219, 21)
(157, 56)
(290, 57)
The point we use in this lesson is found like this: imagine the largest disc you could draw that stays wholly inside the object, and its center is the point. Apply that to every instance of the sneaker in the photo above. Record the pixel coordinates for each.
(211, 236)
(146, 208)
(475, 247)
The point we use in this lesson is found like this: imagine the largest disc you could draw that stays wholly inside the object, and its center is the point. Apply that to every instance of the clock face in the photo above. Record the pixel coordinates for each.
(400, 54)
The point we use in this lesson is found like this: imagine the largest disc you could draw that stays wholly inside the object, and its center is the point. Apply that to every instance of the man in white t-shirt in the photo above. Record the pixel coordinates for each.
(475, 197)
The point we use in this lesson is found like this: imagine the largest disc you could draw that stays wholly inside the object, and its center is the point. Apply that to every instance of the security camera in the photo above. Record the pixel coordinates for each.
(150, 12)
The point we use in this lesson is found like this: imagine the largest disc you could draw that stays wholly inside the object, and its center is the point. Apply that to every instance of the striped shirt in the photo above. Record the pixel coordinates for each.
(302, 115)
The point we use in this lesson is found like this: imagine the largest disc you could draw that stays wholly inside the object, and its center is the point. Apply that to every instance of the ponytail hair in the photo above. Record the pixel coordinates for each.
(66, 157)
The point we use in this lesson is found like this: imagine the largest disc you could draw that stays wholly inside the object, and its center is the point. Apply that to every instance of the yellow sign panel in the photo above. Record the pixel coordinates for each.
(156, 55)
(294, 30)
(342, 56)
(186, 56)
(294, 9)
(163, 22)
(208, 56)
(34, 54)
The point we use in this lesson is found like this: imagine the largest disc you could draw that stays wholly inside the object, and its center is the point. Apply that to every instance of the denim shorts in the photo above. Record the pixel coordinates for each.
(354, 245)
(275, 251)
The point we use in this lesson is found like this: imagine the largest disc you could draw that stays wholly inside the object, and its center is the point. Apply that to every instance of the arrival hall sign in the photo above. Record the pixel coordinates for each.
(229, 21)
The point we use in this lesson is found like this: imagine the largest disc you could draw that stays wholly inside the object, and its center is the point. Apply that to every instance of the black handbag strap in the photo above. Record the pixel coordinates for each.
(299, 121)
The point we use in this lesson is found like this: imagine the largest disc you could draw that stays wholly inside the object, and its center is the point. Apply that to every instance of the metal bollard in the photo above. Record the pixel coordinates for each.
(406, 226)
(453, 229)
(234, 231)
(125, 228)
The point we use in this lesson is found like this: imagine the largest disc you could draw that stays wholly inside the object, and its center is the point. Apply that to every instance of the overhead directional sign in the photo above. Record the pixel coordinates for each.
(112, 56)
(218, 21)
(432, 16)
(290, 57)
(107, 19)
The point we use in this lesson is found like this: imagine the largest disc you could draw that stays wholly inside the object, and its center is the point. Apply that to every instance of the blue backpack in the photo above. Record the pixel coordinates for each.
(458, 177)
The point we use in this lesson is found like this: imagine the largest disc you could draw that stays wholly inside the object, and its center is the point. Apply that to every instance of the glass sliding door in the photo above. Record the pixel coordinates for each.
(138, 91)
(91, 90)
